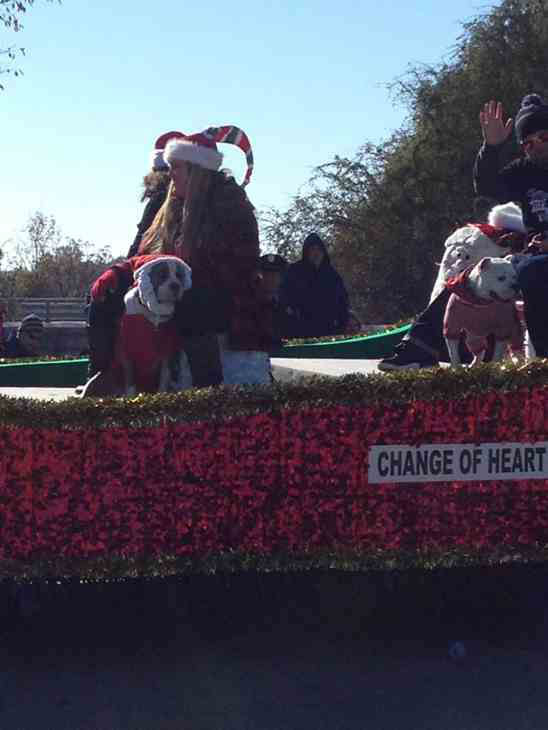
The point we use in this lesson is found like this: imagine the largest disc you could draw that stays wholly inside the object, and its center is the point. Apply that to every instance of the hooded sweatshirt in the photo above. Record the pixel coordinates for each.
(317, 297)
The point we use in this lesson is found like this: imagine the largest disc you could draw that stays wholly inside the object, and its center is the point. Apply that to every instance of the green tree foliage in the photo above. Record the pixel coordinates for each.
(387, 211)
(49, 264)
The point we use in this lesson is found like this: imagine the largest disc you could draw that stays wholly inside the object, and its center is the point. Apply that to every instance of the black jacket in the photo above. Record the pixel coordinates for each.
(316, 298)
(521, 181)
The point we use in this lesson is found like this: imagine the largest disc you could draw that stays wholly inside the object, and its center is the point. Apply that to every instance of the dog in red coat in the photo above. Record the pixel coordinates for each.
(148, 339)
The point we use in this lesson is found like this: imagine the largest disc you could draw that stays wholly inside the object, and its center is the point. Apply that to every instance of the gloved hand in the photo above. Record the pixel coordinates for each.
(106, 284)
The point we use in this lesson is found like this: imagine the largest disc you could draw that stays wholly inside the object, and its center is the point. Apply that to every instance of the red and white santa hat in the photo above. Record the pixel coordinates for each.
(201, 148)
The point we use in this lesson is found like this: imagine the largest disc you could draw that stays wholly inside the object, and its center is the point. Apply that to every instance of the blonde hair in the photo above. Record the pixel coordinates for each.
(214, 230)
(176, 227)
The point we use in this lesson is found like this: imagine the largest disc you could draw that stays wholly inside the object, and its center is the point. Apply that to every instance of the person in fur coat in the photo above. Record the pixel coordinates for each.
(209, 222)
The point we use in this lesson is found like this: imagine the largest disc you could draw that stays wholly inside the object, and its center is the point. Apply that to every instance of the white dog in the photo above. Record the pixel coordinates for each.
(469, 244)
(148, 342)
(482, 303)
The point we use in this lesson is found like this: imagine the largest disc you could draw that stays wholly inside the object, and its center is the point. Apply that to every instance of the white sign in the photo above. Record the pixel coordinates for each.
(457, 462)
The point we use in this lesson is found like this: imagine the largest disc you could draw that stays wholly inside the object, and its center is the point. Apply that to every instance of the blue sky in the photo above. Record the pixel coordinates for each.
(305, 80)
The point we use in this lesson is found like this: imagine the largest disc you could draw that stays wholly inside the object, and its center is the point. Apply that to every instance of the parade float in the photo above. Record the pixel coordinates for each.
(435, 468)
(431, 468)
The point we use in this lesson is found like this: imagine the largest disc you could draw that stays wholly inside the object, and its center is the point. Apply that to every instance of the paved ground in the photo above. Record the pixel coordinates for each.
(56, 394)
(302, 652)
(290, 368)
(285, 370)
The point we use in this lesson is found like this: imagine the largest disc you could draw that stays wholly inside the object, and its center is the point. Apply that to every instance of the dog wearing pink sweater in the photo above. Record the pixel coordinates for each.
(482, 303)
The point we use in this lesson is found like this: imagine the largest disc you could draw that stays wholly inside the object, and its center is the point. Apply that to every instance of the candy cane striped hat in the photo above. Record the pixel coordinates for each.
(201, 149)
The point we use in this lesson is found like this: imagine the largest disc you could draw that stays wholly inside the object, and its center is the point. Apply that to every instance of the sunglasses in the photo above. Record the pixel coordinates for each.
(538, 138)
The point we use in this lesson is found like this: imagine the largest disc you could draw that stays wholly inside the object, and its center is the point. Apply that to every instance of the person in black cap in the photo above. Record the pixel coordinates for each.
(314, 293)
(524, 181)
(273, 268)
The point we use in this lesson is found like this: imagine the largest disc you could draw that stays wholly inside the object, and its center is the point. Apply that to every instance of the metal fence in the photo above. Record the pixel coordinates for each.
(49, 309)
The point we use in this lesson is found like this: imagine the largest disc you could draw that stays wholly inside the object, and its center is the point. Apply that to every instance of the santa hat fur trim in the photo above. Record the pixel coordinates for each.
(183, 150)
(507, 216)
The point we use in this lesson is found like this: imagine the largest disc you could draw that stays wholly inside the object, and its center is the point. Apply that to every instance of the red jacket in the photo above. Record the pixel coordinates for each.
(145, 346)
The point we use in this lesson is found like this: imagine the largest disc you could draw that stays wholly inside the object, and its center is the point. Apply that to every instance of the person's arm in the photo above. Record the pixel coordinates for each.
(116, 280)
(229, 252)
(489, 180)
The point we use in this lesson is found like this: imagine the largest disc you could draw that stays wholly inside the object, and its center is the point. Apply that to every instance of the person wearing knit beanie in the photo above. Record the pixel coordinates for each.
(524, 181)
(532, 117)
(27, 340)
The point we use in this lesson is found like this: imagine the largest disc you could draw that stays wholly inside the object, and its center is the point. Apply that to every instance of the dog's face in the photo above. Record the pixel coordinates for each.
(160, 285)
(168, 279)
(494, 279)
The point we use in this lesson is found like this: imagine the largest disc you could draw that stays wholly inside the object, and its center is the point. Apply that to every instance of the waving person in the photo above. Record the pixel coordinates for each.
(524, 181)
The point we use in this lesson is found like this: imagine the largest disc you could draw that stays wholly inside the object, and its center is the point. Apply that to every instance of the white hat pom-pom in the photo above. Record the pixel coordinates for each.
(507, 216)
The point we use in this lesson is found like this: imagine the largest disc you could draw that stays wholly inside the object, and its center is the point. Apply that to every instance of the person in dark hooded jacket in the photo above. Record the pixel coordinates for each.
(314, 294)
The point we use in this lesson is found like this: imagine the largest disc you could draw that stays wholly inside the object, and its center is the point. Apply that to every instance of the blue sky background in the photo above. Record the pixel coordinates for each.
(305, 79)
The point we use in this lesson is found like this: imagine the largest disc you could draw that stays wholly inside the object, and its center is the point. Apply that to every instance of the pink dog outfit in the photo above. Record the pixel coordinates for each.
(480, 317)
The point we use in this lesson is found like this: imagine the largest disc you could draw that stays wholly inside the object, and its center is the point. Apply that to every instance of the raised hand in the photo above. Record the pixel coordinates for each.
(495, 130)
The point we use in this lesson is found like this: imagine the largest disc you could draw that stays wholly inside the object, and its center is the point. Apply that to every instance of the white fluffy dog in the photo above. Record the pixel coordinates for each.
(482, 303)
(469, 244)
